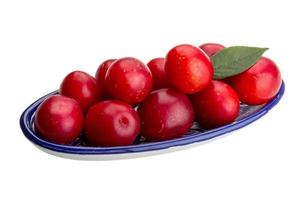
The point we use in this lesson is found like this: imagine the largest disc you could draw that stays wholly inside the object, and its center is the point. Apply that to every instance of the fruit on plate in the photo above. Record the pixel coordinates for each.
(158, 101)
(101, 73)
(59, 119)
(259, 84)
(82, 87)
(216, 105)
(111, 123)
(211, 48)
(157, 68)
(188, 68)
(129, 80)
(165, 114)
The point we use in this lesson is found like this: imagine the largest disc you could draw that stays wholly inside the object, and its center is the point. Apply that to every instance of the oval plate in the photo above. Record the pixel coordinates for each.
(79, 150)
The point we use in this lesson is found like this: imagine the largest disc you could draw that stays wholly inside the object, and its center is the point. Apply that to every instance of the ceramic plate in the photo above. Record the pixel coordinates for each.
(79, 149)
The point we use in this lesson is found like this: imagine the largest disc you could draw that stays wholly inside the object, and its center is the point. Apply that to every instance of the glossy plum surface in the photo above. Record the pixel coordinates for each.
(157, 68)
(59, 119)
(188, 68)
(211, 48)
(128, 80)
(216, 105)
(101, 73)
(165, 114)
(259, 84)
(111, 123)
(82, 87)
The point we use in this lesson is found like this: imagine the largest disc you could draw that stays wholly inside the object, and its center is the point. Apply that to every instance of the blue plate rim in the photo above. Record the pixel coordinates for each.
(26, 117)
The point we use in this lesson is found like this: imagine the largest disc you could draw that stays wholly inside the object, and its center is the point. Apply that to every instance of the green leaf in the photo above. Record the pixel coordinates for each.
(235, 60)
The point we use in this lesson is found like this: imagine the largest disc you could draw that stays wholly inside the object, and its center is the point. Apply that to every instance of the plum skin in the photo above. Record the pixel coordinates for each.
(259, 84)
(59, 119)
(82, 87)
(111, 123)
(216, 105)
(188, 68)
(211, 48)
(157, 68)
(128, 80)
(101, 73)
(165, 114)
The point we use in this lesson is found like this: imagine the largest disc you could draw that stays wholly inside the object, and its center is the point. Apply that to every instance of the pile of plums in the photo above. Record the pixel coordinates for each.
(158, 101)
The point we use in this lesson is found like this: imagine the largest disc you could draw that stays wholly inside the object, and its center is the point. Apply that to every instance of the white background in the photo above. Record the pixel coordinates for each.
(40, 42)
